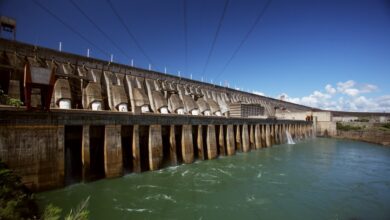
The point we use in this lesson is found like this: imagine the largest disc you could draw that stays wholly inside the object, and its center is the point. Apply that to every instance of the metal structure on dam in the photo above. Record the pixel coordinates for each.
(85, 119)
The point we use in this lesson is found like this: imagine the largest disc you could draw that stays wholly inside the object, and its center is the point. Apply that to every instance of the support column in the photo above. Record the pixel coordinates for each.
(283, 133)
(85, 155)
(263, 136)
(211, 142)
(221, 141)
(199, 142)
(267, 135)
(136, 151)
(238, 138)
(230, 145)
(113, 166)
(172, 145)
(272, 133)
(257, 137)
(187, 144)
(252, 137)
(245, 138)
(155, 147)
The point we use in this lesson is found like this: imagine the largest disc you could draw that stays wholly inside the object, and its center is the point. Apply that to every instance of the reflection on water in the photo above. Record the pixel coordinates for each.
(315, 179)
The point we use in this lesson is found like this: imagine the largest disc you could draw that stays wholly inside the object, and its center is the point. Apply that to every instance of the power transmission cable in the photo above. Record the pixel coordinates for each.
(185, 35)
(99, 29)
(252, 28)
(129, 32)
(215, 36)
(70, 27)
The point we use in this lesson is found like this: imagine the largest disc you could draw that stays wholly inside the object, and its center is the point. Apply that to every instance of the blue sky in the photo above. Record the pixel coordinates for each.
(332, 54)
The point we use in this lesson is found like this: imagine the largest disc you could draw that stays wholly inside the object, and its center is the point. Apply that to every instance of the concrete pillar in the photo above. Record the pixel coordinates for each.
(221, 141)
(172, 145)
(263, 136)
(258, 137)
(136, 151)
(268, 135)
(272, 133)
(245, 138)
(281, 134)
(238, 138)
(277, 132)
(113, 166)
(199, 142)
(252, 137)
(187, 144)
(230, 142)
(211, 142)
(155, 147)
(85, 155)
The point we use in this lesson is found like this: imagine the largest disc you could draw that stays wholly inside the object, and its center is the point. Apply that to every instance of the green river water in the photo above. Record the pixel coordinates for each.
(314, 179)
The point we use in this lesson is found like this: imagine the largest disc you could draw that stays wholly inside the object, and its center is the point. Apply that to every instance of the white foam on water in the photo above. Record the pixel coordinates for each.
(259, 175)
(161, 196)
(185, 173)
(139, 210)
(250, 198)
(224, 172)
(147, 186)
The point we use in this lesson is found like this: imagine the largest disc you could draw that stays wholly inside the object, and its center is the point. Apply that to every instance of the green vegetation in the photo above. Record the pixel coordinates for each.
(362, 120)
(16, 202)
(5, 99)
(54, 213)
(387, 126)
(342, 127)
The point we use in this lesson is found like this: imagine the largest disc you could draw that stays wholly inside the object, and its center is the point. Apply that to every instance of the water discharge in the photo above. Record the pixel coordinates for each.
(289, 138)
(314, 179)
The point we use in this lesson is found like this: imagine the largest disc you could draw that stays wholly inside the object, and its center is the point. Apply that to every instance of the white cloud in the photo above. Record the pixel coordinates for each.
(347, 97)
(258, 93)
(329, 89)
(351, 88)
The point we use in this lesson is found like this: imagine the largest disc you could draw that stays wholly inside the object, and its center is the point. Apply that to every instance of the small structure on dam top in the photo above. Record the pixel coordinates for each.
(86, 119)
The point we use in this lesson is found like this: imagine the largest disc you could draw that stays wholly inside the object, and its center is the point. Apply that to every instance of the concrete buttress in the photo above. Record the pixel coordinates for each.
(172, 144)
(155, 147)
(85, 152)
(187, 147)
(199, 141)
(136, 151)
(230, 142)
(113, 166)
(211, 142)
(245, 138)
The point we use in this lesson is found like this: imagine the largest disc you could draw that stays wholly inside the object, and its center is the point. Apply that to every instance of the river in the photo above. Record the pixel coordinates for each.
(313, 179)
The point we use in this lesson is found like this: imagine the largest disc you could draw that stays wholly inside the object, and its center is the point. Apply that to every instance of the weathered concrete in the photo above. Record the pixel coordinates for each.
(252, 142)
(230, 142)
(221, 141)
(172, 143)
(199, 141)
(211, 142)
(85, 153)
(238, 138)
(36, 153)
(187, 147)
(112, 151)
(267, 136)
(245, 138)
(136, 150)
(258, 137)
(155, 147)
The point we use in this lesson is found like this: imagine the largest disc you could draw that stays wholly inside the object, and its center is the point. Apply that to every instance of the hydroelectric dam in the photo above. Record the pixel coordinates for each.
(84, 119)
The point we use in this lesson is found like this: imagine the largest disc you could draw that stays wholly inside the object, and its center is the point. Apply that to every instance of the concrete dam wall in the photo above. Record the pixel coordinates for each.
(85, 119)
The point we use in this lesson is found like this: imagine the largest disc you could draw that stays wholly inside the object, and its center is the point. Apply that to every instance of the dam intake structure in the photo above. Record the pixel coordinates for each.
(86, 119)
